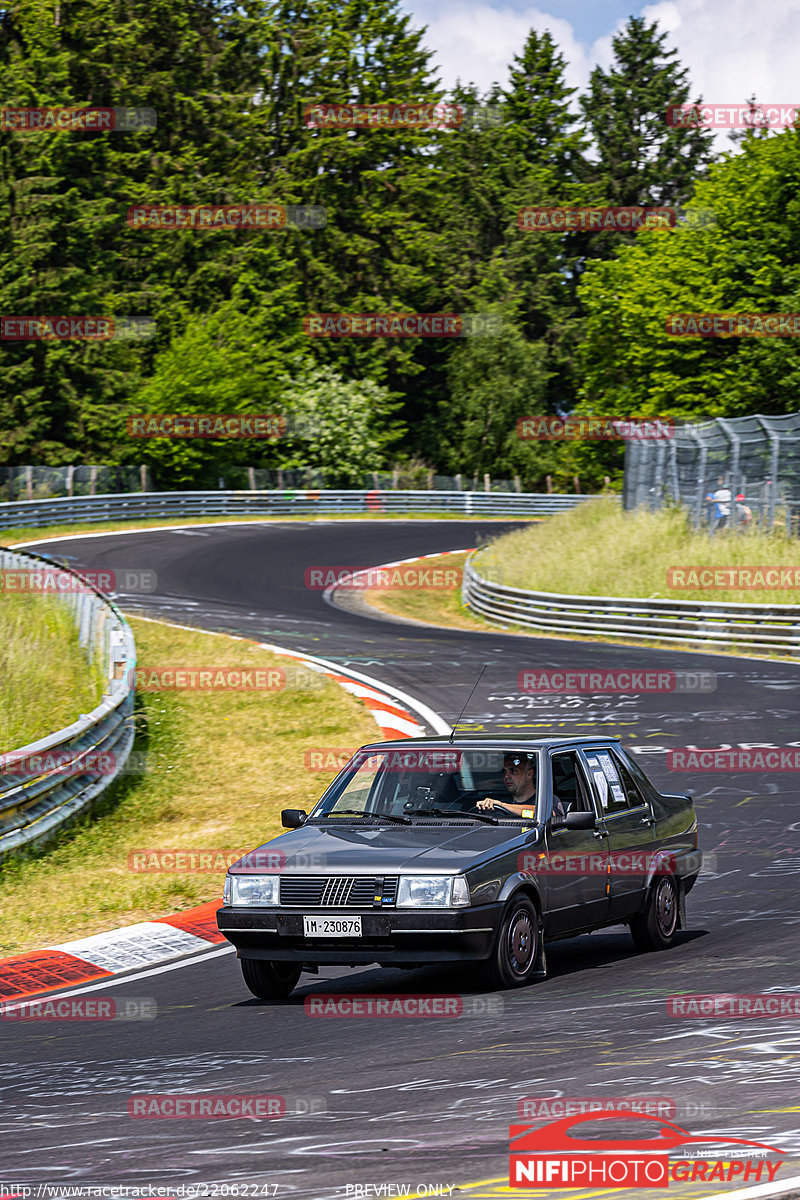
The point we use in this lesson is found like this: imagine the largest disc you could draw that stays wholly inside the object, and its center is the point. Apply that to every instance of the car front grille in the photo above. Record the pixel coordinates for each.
(338, 891)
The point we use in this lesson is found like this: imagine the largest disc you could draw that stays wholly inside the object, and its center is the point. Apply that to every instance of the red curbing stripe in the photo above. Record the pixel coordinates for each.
(43, 971)
(384, 706)
(200, 921)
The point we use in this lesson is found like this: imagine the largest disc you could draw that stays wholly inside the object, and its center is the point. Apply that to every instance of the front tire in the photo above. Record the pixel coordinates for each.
(270, 980)
(654, 929)
(516, 950)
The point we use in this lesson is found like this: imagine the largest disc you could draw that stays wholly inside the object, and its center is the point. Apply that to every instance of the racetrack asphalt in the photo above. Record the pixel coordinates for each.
(429, 1101)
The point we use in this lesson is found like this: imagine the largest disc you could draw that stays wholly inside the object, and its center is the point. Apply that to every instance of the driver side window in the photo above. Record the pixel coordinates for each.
(568, 784)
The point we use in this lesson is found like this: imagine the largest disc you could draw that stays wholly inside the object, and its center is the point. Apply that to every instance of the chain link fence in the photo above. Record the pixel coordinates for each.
(45, 483)
(735, 471)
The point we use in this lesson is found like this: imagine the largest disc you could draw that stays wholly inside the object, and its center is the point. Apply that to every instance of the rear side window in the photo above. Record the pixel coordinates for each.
(634, 796)
(608, 783)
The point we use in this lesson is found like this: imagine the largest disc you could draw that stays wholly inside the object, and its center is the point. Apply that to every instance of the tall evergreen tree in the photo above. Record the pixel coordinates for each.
(639, 158)
(538, 107)
(65, 247)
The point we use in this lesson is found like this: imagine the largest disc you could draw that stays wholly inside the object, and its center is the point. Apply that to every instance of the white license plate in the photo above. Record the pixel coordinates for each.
(331, 926)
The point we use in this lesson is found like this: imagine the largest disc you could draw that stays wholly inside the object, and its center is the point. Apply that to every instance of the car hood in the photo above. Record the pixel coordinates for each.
(318, 849)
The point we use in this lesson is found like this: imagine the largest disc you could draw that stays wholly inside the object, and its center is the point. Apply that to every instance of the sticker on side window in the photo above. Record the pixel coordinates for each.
(600, 781)
(609, 770)
(606, 777)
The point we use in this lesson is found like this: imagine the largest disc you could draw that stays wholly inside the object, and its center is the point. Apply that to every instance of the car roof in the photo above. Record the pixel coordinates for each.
(468, 741)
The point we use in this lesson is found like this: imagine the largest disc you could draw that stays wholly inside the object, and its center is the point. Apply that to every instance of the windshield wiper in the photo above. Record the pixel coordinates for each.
(452, 812)
(359, 812)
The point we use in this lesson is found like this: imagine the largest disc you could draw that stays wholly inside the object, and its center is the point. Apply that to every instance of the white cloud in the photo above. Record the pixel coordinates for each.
(477, 43)
(732, 48)
(735, 49)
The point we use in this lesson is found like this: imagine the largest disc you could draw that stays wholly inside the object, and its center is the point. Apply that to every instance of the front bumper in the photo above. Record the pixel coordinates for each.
(402, 937)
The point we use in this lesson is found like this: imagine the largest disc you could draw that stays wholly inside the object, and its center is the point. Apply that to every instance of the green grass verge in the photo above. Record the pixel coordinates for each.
(223, 766)
(45, 681)
(444, 609)
(597, 549)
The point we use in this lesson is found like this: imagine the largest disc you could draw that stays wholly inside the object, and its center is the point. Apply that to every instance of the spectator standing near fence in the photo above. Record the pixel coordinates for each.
(720, 501)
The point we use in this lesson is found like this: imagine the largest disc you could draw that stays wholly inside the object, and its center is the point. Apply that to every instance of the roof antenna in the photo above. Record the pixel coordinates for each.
(464, 709)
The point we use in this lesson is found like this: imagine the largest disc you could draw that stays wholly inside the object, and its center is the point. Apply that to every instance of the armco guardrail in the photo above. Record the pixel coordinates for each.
(749, 626)
(45, 784)
(130, 506)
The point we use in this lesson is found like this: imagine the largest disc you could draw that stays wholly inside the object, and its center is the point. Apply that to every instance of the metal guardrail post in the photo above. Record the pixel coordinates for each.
(774, 459)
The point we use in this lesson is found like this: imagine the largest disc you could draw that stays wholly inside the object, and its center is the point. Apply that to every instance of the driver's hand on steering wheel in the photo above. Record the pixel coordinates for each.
(488, 802)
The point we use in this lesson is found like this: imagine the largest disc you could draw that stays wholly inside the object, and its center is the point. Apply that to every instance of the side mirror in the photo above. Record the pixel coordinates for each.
(581, 820)
(293, 818)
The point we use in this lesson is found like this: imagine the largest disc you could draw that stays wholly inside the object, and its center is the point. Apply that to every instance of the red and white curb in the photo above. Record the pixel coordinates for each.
(104, 955)
(391, 709)
(151, 943)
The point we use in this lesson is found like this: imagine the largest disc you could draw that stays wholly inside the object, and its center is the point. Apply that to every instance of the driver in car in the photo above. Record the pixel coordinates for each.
(519, 777)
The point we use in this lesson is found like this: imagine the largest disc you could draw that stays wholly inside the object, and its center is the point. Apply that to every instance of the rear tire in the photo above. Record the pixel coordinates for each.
(654, 929)
(514, 958)
(270, 980)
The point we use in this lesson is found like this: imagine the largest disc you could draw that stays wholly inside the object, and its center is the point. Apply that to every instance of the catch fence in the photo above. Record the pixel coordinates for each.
(749, 466)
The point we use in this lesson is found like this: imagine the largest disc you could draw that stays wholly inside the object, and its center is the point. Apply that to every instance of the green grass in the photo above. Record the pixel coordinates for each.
(223, 766)
(597, 549)
(45, 680)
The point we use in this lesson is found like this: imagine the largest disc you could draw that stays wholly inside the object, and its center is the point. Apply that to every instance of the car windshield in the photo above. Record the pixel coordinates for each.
(441, 781)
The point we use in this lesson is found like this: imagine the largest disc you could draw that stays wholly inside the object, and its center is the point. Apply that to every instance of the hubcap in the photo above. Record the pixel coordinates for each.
(521, 942)
(666, 909)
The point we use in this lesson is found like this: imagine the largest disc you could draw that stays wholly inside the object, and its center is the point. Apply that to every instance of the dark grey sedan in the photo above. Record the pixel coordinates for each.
(480, 849)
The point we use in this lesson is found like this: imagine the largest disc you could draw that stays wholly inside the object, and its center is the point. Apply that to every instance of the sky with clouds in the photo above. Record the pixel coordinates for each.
(733, 48)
